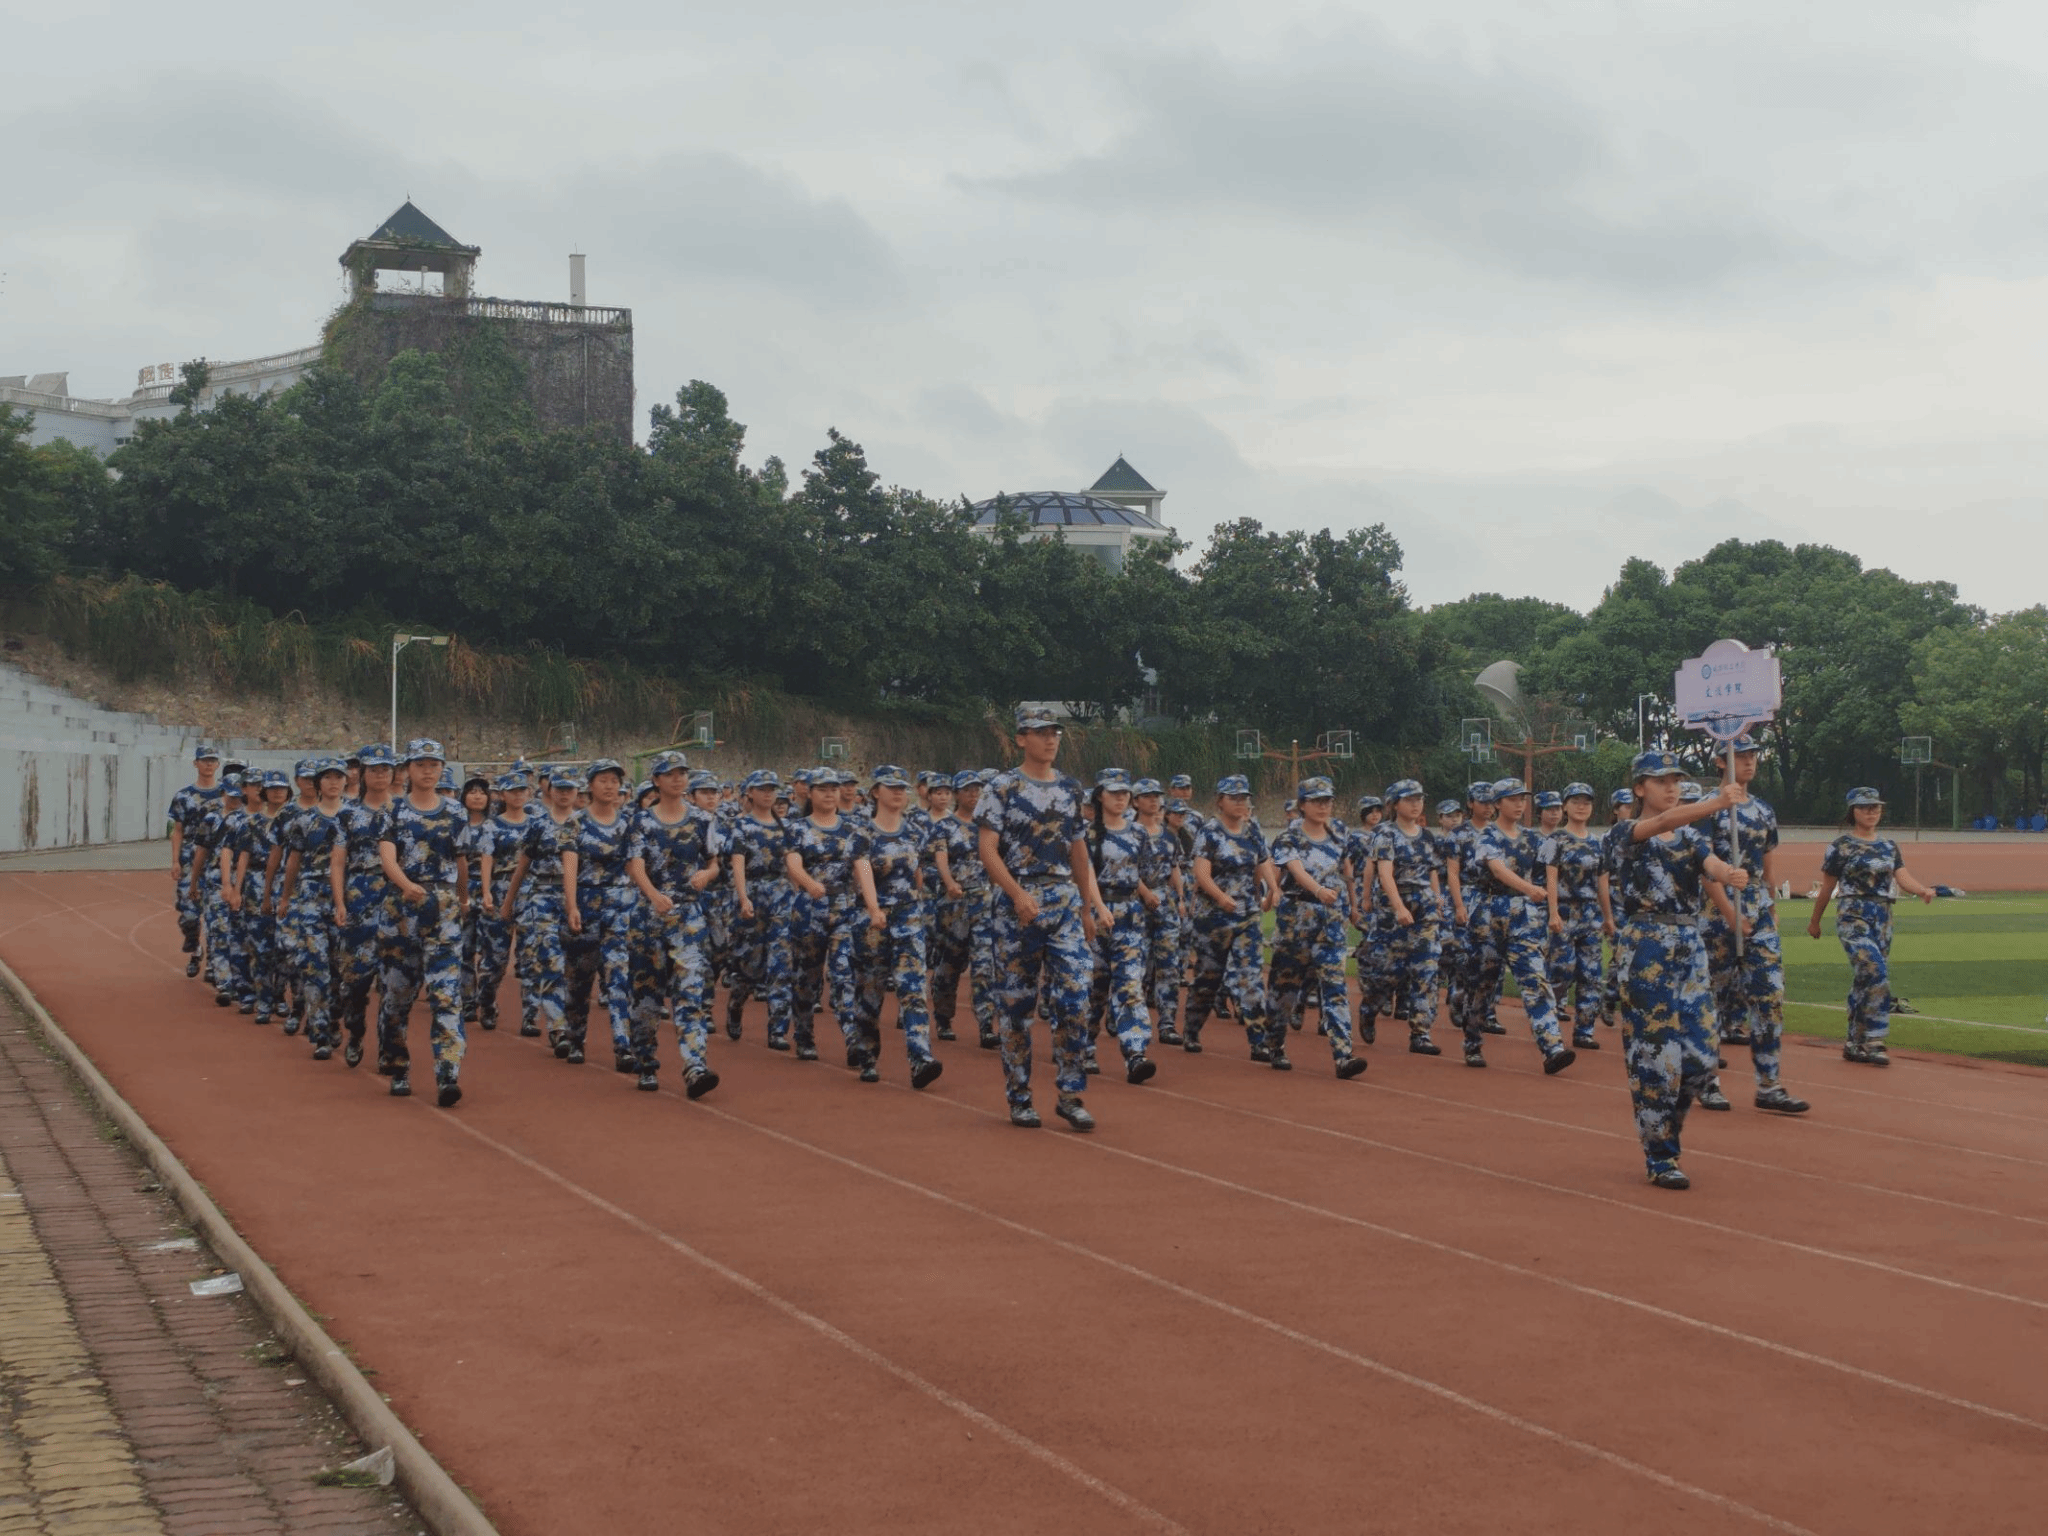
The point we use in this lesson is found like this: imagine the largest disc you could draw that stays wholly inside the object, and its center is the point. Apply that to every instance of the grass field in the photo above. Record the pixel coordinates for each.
(1966, 964)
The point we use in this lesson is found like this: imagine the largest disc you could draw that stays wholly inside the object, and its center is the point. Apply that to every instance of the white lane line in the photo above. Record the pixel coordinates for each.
(1661, 1313)
(1143, 1513)
(1937, 1018)
(1625, 1205)
(1256, 1320)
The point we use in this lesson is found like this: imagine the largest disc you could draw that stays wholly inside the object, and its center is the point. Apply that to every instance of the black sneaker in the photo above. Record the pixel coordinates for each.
(1493, 1027)
(1422, 1045)
(1720, 1062)
(926, 1072)
(988, 1042)
(561, 1047)
(1024, 1115)
(1350, 1067)
(192, 966)
(1711, 1097)
(946, 1032)
(1854, 1052)
(529, 1031)
(386, 1067)
(1261, 1055)
(855, 1056)
(490, 1022)
(778, 1045)
(1737, 1037)
(248, 1006)
(1074, 1112)
(323, 1052)
(1585, 1043)
(648, 1082)
(870, 1073)
(699, 1082)
(223, 1000)
(1140, 1069)
(732, 1022)
(1191, 1043)
(352, 1053)
(1877, 1055)
(448, 1093)
(574, 1055)
(1474, 1056)
(1168, 1035)
(1902, 1005)
(623, 1063)
(291, 1025)
(1558, 1060)
(401, 1086)
(1090, 1065)
(1368, 1031)
(1671, 1178)
(1295, 1022)
(1776, 1098)
(806, 1051)
(1279, 1063)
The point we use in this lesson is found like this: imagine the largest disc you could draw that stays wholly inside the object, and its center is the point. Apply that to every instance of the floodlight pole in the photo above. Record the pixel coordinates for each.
(399, 643)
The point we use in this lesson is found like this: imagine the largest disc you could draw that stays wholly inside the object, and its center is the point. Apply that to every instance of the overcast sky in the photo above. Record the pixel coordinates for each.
(1538, 285)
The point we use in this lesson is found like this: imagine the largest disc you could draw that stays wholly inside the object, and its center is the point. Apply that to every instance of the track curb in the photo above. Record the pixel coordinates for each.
(441, 1503)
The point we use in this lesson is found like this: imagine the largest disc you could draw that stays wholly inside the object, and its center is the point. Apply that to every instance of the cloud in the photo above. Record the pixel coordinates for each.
(1362, 132)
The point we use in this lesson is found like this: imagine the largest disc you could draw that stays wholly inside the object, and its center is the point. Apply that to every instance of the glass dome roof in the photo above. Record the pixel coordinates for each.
(1067, 509)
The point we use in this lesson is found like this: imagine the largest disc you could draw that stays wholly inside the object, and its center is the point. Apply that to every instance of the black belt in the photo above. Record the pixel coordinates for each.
(1669, 919)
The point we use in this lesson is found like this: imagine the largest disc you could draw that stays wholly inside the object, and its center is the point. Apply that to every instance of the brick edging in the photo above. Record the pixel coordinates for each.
(447, 1510)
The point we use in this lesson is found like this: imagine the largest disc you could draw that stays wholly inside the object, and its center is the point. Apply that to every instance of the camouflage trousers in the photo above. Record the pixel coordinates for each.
(1053, 944)
(1453, 946)
(1308, 970)
(601, 962)
(960, 946)
(1573, 965)
(891, 957)
(1227, 947)
(494, 938)
(760, 963)
(672, 981)
(819, 934)
(1117, 987)
(1518, 934)
(1375, 975)
(1749, 988)
(359, 947)
(422, 948)
(542, 965)
(1164, 962)
(1414, 957)
(219, 924)
(187, 904)
(1482, 974)
(1667, 1020)
(305, 936)
(1865, 928)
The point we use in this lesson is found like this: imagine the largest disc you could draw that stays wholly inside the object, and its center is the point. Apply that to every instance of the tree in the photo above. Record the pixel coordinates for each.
(1982, 693)
(47, 494)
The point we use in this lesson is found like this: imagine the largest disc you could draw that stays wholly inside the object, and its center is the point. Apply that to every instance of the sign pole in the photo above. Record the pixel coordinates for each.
(1735, 846)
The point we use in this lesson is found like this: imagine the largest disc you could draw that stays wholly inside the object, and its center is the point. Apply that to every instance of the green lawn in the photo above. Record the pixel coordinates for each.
(1983, 959)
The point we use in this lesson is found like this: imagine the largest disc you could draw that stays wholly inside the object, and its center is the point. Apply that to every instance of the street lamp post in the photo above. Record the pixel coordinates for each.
(1640, 719)
(399, 643)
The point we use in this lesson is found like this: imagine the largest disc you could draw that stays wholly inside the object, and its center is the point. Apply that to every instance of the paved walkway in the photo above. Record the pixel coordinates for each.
(127, 1404)
(151, 855)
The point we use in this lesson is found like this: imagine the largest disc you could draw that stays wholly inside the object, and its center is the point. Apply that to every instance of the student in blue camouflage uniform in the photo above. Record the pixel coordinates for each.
(187, 807)
(671, 858)
(267, 799)
(370, 907)
(1160, 866)
(1450, 931)
(1234, 883)
(309, 916)
(889, 951)
(936, 791)
(1470, 1007)
(209, 838)
(1574, 960)
(234, 831)
(1185, 821)
(1863, 868)
(1408, 868)
(1621, 805)
(419, 847)
(598, 902)
(960, 929)
(1313, 860)
(495, 847)
(476, 809)
(718, 898)
(759, 860)
(534, 903)
(1117, 851)
(1034, 848)
(1519, 873)
(826, 921)
(1749, 988)
(1658, 867)
(1368, 914)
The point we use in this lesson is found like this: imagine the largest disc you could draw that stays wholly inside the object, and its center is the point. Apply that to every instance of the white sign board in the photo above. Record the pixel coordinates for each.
(1727, 690)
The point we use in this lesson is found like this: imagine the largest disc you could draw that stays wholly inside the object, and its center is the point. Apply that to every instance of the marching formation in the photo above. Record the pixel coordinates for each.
(368, 880)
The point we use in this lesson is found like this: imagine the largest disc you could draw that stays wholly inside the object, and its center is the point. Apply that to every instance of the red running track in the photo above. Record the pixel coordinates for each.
(1430, 1300)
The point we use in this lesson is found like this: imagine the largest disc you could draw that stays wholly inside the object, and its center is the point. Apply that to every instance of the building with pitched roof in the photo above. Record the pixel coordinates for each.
(574, 361)
(1120, 510)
